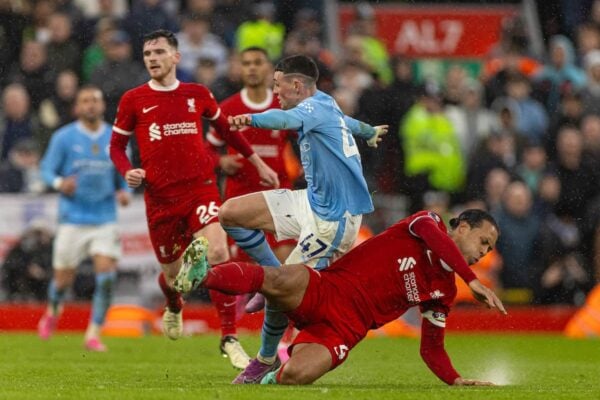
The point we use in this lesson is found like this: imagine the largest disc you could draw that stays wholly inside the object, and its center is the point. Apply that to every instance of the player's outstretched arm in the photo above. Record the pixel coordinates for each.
(486, 295)
(268, 177)
(279, 119)
(372, 134)
(237, 122)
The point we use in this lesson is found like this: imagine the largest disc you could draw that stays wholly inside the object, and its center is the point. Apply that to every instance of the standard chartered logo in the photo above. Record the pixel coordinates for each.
(154, 132)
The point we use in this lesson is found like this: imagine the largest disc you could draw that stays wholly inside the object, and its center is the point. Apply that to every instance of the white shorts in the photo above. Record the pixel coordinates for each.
(74, 243)
(318, 240)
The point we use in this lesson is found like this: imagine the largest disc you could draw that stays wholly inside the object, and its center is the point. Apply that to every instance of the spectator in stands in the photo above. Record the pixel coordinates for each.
(533, 166)
(374, 53)
(531, 118)
(230, 82)
(579, 180)
(196, 42)
(32, 71)
(590, 129)
(118, 72)
(519, 226)
(27, 267)
(12, 24)
(225, 16)
(262, 31)
(63, 51)
(146, 16)
(591, 92)
(17, 121)
(563, 275)
(20, 173)
(559, 72)
(299, 42)
(95, 53)
(37, 30)
(432, 156)
(570, 112)
(454, 85)
(471, 120)
(206, 72)
(588, 40)
(57, 110)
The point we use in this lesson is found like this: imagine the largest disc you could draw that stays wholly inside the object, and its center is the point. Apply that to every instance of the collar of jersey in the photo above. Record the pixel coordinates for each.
(256, 106)
(159, 88)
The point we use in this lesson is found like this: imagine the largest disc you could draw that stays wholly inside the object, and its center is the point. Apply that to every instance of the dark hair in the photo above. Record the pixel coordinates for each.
(255, 48)
(474, 218)
(299, 64)
(162, 33)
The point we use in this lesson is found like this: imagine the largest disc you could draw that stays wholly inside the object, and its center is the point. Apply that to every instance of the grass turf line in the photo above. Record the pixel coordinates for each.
(528, 367)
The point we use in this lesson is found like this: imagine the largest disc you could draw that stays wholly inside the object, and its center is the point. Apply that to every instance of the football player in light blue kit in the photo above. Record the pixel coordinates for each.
(77, 164)
(325, 217)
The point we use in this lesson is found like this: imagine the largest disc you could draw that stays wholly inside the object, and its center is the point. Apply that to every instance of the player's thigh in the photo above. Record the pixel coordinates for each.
(321, 240)
(70, 247)
(218, 251)
(105, 247)
(285, 286)
(287, 209)
(309, 362)
(249, 211)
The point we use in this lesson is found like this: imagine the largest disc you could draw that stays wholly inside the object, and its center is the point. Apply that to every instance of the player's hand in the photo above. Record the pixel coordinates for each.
(485, 295)
(135, 177)
(230, 164)
(380, 130)
(123, 197)
(237, 122)
(471, 382)
(268, 177)
(68, 185)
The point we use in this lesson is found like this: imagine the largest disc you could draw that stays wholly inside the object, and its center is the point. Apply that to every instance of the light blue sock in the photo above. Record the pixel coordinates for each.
(55, 296)
(254, 243)
(103, 294)
(274, 326)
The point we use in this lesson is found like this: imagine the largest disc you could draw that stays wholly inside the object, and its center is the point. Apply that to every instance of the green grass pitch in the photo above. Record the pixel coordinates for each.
(527, 367)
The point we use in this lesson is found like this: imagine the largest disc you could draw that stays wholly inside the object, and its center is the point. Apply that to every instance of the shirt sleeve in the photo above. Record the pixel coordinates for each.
(278, 119)
(125, 119)
(118, 152)
(359, 128)
(440, 243)
(52, 161)
(432, 348)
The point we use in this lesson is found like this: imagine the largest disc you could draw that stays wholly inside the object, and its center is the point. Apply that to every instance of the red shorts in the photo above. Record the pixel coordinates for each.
(240, 255)
(173, 222)
(329, 315)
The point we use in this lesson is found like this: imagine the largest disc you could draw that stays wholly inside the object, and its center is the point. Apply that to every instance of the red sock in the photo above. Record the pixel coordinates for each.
(235, 278)
(174, 299)
(226, 308)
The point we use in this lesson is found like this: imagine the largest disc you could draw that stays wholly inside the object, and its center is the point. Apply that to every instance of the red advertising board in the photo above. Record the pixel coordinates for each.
(434, 30)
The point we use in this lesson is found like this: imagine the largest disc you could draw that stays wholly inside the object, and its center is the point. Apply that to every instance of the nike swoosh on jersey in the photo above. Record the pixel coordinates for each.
(145, 110)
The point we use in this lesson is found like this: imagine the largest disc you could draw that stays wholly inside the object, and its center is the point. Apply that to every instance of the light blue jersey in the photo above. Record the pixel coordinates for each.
(74, 150)
(329, 155)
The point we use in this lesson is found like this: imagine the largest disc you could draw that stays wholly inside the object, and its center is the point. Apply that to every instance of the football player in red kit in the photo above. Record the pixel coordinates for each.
(241, 177)
(181, 195)
(412, 263)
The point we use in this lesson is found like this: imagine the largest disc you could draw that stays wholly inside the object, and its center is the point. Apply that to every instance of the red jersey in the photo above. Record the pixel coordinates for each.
(167, 125)
(411, 263)
(268, 144)
(401, 272)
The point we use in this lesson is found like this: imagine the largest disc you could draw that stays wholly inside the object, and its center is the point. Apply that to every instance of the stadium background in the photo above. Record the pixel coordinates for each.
(379, 59)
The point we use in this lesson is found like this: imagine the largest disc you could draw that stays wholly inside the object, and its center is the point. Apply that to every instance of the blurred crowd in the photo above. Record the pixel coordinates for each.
(521, 139)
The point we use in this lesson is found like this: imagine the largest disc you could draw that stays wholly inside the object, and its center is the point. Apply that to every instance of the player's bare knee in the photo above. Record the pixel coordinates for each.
(227, 214)
(294, 374)
(217, 254)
